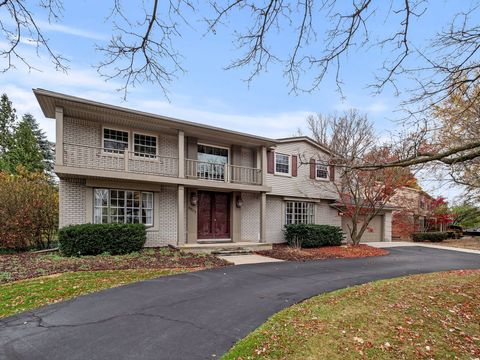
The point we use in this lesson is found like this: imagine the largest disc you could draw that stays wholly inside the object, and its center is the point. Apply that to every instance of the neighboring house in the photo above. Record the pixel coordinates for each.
(188, 183)
(414, 213)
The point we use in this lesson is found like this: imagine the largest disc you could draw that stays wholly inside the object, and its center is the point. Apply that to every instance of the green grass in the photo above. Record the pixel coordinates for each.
(433, 316)
(32, 293)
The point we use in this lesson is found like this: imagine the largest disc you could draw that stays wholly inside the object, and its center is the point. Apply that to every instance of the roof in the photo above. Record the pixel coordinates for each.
(49, 100)
(305, 139)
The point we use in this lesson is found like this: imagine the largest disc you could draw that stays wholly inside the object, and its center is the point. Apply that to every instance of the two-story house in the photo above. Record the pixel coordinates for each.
(189, 183)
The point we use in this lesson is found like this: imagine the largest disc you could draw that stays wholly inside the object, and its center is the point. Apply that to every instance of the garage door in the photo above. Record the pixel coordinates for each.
(373, 233)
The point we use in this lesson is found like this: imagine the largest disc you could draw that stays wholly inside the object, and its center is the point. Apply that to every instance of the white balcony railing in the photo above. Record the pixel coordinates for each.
(90, 157)
(99, 158)
(203, 170)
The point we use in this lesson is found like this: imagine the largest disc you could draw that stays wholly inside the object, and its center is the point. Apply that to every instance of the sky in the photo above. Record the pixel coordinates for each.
(206, 92)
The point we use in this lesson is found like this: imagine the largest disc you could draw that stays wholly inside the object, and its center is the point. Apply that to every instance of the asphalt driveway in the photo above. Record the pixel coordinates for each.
(197, 315)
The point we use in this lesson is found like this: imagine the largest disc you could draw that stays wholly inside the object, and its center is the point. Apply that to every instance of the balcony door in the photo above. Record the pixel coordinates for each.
(211, 162)
(213, 215)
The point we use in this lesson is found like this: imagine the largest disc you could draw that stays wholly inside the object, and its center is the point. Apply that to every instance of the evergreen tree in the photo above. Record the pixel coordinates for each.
(46, 147)
(25, 150)
(8, 118)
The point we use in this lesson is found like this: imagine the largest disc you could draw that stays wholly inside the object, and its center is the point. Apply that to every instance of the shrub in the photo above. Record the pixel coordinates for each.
(312, 235)
(28, 211)
(95, 239)
(434, 236)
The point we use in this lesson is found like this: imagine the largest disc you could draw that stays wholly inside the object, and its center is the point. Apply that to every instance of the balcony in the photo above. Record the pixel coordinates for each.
(97, 158)
(195, 169)
(89, 157)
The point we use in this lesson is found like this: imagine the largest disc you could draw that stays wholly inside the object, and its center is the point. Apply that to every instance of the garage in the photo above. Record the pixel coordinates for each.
(374, 231)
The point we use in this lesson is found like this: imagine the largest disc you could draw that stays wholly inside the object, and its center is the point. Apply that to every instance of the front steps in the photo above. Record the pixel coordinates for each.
(226, 248)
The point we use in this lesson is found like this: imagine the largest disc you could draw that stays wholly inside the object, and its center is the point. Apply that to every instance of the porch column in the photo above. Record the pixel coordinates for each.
(58, 136)
(181, 215)
(181, 154)
(263, 217)
(264, 165)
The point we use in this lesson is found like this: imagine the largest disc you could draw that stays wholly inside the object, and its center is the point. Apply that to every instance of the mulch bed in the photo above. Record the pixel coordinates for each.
(285, 252)
(29, 265)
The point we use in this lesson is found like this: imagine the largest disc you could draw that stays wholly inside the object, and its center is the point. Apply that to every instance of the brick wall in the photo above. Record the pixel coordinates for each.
(274, 219)
(72, 201)
(250, 217)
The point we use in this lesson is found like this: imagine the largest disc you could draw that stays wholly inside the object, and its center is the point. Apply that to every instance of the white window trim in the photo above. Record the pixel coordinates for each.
(314, 215)
(108, 153)
(289, 174)
(144, 157)
(148, 226)
(328, 172)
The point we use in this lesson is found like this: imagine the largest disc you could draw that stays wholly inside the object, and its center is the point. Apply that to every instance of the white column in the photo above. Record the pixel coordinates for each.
(58, 136)
(181, 154)
(264, 165)
(387, 226)
(181, 215)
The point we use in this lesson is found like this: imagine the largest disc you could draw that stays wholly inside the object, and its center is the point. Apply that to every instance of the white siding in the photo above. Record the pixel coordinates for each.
(301, 185)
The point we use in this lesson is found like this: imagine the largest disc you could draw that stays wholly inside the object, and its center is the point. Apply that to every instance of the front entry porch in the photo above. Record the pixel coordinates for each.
(220, 218)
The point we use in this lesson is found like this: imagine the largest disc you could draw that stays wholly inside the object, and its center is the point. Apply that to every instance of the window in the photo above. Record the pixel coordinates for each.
(321, 171)
(115, 141)
(211, 162)
(299, 212)
(282, 164)
(145, 145)
(123, 206)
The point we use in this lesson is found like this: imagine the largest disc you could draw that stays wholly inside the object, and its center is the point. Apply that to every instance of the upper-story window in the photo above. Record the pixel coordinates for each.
(115, 141)
(282, 164)
(321, 171)
(144, 145)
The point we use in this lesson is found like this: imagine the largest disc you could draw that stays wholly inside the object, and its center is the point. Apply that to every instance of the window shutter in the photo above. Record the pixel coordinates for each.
(294, 165)
(312, 168)
(332, 172)
(270, 162)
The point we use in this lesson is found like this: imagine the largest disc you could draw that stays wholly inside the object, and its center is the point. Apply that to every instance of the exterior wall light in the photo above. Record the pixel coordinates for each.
(193, 199)
(239, 201)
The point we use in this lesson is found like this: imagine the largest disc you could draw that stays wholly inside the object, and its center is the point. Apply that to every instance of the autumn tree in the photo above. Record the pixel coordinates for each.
(362, 194)
(466, 215)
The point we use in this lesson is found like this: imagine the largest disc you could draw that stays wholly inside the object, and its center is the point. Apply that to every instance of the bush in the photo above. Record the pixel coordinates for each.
(28, 211)
(312, 235)
(434, 236)
(95, 239)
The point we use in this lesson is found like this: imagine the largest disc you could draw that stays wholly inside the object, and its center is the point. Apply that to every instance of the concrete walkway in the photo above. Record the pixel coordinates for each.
(198, 315)
(249, 259)
(427, 245)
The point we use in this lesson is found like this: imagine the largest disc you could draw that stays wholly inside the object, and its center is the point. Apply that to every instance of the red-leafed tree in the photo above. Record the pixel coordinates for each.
(439, 214)
(363, 194)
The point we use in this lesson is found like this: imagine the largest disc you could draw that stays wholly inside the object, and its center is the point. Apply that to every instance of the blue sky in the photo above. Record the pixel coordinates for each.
(207, 93)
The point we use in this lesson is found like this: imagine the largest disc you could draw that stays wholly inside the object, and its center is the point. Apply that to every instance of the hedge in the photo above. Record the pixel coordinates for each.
(95, 239)
(434, 236)
(312, 235)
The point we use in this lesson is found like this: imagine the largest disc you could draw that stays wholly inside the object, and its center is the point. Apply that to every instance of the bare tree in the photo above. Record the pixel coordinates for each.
(362, 194)
(319, 37)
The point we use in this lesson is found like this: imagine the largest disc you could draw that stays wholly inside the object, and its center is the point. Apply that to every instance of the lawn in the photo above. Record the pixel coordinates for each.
(32, 293)
(466, 242)
(432, 316)
(285, 252)
(15, 267)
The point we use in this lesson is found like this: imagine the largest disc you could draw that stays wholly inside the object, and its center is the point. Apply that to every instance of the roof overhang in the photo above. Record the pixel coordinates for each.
(306, 139)
(92, 110)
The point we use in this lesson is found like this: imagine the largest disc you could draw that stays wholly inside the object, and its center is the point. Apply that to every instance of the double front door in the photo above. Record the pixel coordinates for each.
(213, 215)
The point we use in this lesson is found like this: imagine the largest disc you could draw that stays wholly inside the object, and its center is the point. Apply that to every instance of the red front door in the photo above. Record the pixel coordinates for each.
(213, 215)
